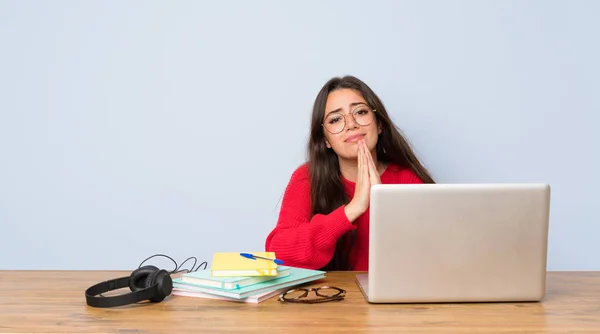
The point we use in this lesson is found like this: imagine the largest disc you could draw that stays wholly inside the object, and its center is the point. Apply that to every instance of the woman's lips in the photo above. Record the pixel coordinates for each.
(354, 138)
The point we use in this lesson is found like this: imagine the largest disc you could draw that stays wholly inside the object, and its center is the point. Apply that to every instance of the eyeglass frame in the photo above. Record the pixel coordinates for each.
(344, 117)
(340, 295)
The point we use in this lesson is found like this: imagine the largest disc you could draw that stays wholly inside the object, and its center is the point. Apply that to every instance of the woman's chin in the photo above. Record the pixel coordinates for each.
(349, 155)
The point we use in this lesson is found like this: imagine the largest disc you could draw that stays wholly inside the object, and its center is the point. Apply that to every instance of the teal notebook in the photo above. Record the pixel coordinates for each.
(296, 276)
(204, 278)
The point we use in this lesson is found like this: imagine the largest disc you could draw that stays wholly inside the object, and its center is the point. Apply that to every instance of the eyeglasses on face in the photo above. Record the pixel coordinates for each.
(323, 294)
(335, 122)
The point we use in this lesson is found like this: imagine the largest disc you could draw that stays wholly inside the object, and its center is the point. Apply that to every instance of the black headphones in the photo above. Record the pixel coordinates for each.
(145, 283)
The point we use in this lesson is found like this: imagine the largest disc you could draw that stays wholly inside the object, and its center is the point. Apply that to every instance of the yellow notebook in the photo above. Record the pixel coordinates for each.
(233, 264)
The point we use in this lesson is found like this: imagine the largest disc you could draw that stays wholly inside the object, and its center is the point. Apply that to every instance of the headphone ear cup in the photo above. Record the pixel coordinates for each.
(137, 280)
(164, 282)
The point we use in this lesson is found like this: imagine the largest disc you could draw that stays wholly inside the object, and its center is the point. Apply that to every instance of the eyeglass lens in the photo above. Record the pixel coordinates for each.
(336, 122)
(308, 294)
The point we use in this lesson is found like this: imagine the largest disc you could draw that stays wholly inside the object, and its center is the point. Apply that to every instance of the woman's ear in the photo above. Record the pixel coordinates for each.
(327, 143)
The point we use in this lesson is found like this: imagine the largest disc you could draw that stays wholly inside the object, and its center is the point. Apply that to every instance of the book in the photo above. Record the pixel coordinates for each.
(254, 299)
(233, 264)
(297, 276)
(205, 278)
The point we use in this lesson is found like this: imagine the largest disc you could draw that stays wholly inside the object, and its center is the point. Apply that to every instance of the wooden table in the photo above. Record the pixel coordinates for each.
(53, 301)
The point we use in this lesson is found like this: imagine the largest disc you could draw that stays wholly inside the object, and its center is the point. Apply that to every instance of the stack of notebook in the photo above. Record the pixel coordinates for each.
(234, 277)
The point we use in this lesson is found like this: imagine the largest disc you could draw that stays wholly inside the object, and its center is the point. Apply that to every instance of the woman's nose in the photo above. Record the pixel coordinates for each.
(350, 122)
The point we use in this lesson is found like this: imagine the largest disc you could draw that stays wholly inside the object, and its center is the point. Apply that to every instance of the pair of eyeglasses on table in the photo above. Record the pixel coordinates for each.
(322, 294)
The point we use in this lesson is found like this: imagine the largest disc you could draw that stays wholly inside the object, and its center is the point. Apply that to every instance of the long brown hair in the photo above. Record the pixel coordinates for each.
(327, 191)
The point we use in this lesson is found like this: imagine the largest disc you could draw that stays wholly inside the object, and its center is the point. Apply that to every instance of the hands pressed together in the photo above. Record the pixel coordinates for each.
(367, 175)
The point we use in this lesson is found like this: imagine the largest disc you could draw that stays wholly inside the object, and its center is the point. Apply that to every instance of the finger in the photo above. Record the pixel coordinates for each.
(365, 153)
(372, 165)
(360, 164)
(371, 161)
(373, 172)
(369, 156)
(374, 175)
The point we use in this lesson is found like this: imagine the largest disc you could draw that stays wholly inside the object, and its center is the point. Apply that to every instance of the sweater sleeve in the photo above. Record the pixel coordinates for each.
(299, 239)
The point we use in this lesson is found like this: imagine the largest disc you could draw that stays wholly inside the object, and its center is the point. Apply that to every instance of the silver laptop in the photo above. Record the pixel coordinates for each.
(435, 243)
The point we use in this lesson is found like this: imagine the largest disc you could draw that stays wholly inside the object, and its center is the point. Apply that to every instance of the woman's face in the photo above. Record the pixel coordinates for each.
(348, 118)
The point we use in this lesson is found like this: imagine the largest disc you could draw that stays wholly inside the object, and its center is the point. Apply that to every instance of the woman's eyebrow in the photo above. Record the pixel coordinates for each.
(353, 104)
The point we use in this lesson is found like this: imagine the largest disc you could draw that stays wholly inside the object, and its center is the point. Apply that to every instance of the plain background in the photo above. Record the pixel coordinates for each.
(129, 128)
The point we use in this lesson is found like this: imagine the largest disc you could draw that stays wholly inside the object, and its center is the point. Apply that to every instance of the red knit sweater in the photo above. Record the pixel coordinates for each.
(309, 242)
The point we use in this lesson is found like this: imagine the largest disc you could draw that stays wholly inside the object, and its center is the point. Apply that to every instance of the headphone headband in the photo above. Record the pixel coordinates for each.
(145, 283)
(119, 300)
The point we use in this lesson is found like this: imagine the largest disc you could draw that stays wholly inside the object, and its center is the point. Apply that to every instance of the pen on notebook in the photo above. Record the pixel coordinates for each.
(254, 257)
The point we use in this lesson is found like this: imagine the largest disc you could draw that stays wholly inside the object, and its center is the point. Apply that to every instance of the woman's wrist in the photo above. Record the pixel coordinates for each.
(353, 211)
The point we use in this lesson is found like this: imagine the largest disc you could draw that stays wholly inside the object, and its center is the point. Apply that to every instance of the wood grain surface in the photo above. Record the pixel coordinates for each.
(54, 302)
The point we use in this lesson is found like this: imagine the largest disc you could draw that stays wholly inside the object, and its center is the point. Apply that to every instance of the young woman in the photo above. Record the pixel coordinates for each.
(353, 144)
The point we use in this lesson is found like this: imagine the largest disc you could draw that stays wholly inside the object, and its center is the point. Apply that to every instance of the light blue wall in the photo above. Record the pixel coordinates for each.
(129, 128)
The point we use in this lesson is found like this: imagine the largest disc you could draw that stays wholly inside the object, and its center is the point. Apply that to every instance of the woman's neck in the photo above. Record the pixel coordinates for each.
(349, 168)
